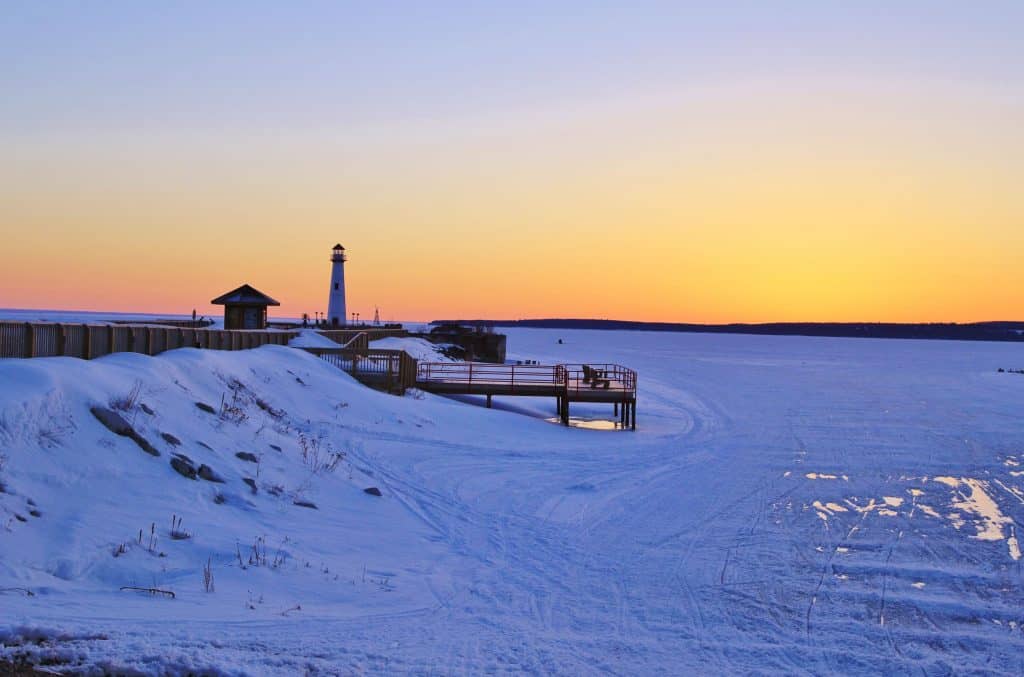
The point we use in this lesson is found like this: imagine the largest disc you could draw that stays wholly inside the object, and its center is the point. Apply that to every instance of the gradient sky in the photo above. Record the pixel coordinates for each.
(733, 161)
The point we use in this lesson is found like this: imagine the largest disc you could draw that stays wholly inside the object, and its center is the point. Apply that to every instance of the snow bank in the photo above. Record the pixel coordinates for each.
(308, 338)
(787, 505)
(421, 349)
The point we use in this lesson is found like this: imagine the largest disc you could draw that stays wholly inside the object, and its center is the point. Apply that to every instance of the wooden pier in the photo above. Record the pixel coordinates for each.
(395, 371)
(566, 383)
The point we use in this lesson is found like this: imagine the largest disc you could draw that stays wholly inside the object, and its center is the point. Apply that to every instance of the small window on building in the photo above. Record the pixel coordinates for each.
(335, 286)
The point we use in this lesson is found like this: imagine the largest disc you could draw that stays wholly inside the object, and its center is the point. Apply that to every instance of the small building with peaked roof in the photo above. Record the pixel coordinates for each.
(245, 308)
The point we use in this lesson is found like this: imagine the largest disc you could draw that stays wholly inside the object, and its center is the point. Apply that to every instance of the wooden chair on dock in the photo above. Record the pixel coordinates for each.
(595, 377)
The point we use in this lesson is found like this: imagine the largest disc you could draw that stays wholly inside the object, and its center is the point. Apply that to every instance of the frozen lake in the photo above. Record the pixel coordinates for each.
(787, 505)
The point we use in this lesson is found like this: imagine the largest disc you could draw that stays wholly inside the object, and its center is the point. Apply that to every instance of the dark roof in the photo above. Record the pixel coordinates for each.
(245, 296)
(338, 246)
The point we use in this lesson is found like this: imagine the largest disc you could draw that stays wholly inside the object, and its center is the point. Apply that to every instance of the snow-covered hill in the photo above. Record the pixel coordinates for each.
(787, 505)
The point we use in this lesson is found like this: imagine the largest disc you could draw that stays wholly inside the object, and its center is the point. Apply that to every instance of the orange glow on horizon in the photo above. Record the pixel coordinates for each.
(730, 207)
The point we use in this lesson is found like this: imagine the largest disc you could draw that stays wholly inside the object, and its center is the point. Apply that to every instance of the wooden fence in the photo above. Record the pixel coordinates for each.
(390, 370)
(87, 341)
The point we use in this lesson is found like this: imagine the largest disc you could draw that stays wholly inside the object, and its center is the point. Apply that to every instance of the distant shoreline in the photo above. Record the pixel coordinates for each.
(950, 331)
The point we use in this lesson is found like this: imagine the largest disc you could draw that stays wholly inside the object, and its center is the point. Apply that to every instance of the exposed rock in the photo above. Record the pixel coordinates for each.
(208, 474)
(145, 407)
(373, 491)
(265, 406)
(183, 464)
(246, 456)
(205, 407)
(305, 504)
(117, 425)
(171, 439)
(251, 482)
(275, 447)
(112, 420)
(19, 518)
(35, 513)
(219, 499)
(204, 445)
(144, 444)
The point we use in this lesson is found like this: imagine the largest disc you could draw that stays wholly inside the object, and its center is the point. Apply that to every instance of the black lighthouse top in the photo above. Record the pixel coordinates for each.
(339, 253)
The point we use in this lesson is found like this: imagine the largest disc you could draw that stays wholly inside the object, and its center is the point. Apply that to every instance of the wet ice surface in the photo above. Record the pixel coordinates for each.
(589, 423)
(787, 505)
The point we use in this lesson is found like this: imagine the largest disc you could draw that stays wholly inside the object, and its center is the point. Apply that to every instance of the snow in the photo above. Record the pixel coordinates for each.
(788, 504)
(422, 349)
(308, 338)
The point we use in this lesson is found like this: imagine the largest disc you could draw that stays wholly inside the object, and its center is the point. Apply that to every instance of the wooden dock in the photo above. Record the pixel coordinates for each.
(395, 371)
(566, 383)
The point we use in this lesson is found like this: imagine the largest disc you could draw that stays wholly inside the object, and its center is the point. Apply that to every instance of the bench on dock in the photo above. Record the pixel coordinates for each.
(595, 377)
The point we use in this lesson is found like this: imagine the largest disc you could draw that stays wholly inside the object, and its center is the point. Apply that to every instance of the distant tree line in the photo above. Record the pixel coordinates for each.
(977, 331)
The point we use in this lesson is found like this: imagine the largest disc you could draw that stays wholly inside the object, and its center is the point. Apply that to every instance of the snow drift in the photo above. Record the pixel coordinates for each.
(787, 505)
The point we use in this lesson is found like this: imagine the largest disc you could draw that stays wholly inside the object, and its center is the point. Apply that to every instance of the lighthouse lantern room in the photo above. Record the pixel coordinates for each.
(336, 305)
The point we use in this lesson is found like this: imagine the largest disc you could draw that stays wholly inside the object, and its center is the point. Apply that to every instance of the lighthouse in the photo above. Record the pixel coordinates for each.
(336, 305)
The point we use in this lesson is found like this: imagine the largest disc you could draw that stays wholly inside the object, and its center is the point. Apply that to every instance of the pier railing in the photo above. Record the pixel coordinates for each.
(483, 376)
(580, 377)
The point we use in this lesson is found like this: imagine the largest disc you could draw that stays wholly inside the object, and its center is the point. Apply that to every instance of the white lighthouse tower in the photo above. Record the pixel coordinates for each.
(336, 306)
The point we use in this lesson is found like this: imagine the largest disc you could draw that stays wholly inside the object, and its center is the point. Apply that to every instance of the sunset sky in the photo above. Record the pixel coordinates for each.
(740, 161)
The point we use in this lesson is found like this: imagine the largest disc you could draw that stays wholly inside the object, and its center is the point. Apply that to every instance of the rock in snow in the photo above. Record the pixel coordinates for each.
(116, 424)
(208, 474)
(184, 465)
(373, 491)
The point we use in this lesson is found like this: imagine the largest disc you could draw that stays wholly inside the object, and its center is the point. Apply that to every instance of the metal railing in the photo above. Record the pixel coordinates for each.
(483, 377)
(583, 377)
(486, 375)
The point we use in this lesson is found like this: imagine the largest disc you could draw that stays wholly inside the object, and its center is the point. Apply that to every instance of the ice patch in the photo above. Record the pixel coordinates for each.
(821, 476)
(990, 520)
(1013, 544)
(829, 507)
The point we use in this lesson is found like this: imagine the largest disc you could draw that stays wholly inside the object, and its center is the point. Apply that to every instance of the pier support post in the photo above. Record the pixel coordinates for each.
(488, 400)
